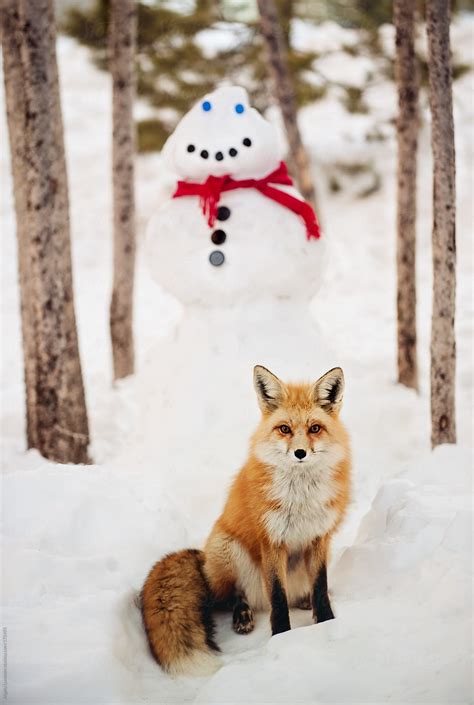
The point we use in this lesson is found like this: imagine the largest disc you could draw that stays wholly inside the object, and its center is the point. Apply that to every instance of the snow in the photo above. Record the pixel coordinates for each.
(337, 69)
(78, 542)
(222, 36)
(325, 37)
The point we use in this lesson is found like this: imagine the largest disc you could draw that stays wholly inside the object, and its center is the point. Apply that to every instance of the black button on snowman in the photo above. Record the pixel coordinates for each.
(218, 237)
(223, 213)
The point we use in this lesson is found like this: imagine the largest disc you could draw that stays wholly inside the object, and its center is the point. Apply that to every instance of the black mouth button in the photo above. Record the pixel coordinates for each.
(218, 237)
(223, 213)
(247, 142)
(204, 154)
(219, 156)
(233, 152)
(216, 258)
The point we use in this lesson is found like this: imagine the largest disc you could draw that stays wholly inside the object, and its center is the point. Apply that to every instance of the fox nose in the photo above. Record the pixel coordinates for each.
(300, 453)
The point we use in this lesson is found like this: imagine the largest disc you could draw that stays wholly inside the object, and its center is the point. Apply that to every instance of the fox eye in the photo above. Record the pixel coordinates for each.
(284, 429)
(315, 428)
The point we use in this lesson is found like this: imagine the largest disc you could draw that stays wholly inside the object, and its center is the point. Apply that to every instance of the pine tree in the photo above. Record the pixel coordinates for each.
(55, 404)
(443, 343)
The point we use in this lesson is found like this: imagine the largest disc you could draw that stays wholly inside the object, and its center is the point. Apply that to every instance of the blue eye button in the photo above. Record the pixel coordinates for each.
(206, 106)
(239, 108)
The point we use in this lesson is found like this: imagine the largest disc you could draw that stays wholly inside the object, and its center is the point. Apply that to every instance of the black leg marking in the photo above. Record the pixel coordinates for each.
(280, 616)
(322, 610)
(242, 618)
(226, 604)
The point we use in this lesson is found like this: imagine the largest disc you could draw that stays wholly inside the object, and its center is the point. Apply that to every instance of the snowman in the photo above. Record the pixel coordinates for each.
(241, 250)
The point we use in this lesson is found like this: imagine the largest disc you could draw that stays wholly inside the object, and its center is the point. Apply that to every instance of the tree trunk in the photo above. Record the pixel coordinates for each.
(443, 344)
(55, 404)
(285, 12)
(16, 108)
(277, 56)
(406, 69)
(122, 53)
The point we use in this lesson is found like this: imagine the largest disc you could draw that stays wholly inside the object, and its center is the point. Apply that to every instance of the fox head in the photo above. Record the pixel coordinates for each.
(300, 422)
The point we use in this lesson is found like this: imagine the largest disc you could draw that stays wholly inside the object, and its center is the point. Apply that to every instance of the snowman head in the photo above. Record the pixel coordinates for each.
(221, 135)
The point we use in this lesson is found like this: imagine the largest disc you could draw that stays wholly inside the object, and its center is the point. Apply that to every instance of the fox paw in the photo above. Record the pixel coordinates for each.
(242, 620)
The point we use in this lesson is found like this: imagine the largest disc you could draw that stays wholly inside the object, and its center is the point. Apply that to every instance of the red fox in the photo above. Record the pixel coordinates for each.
(270, 545)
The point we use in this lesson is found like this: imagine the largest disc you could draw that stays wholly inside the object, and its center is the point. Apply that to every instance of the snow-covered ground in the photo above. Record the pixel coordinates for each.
(78, 542)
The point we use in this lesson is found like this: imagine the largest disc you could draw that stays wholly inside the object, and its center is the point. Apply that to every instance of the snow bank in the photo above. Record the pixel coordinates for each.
(78, 544)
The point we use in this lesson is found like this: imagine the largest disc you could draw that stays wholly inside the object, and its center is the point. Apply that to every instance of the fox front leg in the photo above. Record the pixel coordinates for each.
(322, 610)
(274, 566)
(316, 564)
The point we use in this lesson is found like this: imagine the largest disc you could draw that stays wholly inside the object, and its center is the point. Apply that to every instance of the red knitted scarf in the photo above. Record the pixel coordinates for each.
(210, 192)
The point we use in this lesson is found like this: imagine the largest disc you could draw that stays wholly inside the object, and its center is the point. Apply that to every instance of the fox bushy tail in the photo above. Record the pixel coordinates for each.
(176, 605)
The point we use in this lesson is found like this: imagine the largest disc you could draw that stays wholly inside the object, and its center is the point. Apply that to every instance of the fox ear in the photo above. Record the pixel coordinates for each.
(269, 389)
(329, 390)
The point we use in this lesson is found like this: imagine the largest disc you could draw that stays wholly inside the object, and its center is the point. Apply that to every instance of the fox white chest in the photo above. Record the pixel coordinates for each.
(303, 494)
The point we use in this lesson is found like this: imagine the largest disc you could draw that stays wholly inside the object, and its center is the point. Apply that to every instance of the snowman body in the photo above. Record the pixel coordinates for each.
(245, 284)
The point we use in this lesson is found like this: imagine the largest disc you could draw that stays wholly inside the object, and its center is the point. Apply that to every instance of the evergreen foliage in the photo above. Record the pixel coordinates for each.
(167, 40)
(186, 47)
(365, 14)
